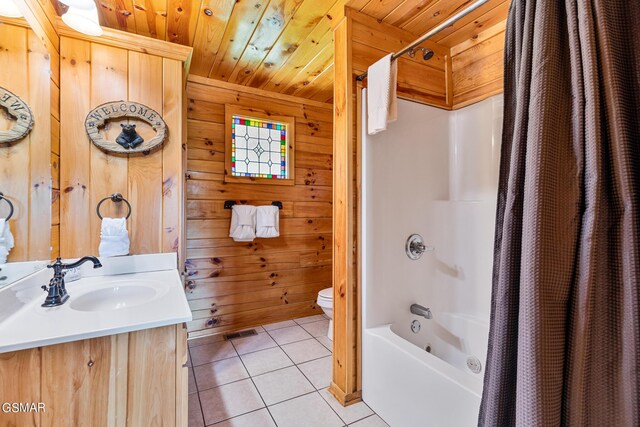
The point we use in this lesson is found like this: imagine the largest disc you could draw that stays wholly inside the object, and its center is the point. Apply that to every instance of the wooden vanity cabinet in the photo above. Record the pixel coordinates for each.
(131, 379)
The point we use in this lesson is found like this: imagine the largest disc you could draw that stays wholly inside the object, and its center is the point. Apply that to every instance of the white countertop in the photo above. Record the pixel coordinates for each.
(25, 324)
(14, 271)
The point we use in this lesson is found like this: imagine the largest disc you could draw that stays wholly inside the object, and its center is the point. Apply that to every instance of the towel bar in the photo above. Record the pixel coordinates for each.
(10, 206)
(228, 204)
(115, 198)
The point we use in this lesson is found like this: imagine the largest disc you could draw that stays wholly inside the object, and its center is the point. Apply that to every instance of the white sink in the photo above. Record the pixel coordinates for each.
(116, 297)
(127, 294)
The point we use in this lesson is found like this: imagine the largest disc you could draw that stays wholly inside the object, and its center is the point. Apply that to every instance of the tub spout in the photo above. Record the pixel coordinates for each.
(421, 311)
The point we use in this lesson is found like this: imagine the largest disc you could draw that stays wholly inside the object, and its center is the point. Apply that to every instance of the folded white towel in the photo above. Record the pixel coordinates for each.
(243, 223)
(114, 237)
(382, 103)
(268, 221)
(6, 240)
(4, 254)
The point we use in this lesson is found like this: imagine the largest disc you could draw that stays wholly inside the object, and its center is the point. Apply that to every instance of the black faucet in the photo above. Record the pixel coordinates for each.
(56, 291)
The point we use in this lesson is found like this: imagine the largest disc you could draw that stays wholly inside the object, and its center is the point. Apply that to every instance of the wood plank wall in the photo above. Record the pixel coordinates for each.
(465, 74)
(25, 165)
(55, 154)
(236, 285)
(478, 65)
(41, 15)
(418, 80)
(92, 73)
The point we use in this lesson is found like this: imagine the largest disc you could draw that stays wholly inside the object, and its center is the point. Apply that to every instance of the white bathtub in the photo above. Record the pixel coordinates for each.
(409, 386)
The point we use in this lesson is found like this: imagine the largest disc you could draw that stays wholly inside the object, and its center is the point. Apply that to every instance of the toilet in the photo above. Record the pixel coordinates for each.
(325, 301)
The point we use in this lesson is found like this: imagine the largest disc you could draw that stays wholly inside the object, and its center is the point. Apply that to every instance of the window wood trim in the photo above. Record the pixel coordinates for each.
(229, 112)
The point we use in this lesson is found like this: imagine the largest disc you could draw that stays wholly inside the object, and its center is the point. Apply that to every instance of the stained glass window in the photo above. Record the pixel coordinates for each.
(258, 148)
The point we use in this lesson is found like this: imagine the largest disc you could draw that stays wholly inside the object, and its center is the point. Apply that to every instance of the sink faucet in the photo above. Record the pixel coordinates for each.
(56, 291)
(421, 311)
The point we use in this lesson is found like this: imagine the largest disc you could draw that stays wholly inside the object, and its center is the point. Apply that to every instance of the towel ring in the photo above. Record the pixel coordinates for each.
(10, 206)
(115, 198)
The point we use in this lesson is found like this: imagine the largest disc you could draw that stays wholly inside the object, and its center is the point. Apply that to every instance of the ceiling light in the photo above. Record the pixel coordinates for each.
(84, 21)
(80, 4)
(9, 9)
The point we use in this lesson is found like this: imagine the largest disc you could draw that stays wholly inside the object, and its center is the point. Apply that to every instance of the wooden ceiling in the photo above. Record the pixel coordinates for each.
(280, 45)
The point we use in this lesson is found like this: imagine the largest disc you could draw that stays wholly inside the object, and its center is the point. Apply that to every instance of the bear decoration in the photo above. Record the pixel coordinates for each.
(129, 138)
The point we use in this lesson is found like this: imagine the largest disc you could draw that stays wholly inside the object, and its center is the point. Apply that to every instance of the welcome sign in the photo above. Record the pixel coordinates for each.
(128, 141)
(20, 111)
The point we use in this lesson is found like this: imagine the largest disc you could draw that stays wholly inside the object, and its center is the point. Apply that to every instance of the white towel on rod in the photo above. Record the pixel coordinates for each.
(114, 237)
(243, 223)
(6, 240)
(382, 103)
(268, 221)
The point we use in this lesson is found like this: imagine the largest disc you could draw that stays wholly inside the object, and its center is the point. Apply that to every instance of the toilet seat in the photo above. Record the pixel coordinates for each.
(326, 294)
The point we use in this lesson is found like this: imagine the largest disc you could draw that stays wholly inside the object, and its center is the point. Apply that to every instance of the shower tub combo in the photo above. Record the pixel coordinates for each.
(426, 367)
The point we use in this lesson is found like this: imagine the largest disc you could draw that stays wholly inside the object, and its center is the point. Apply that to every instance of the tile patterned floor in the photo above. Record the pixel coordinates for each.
(278, 378)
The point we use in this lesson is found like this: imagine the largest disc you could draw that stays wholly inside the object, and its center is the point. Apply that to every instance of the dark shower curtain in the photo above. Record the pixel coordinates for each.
(564, 344)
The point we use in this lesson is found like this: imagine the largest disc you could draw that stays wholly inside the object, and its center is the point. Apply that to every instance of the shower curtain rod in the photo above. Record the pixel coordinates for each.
(432, 32)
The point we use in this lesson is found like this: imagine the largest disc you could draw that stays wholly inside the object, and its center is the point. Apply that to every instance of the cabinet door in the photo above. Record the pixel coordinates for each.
(151, 387)
(182, 377)
(75, 382)
(20, 382)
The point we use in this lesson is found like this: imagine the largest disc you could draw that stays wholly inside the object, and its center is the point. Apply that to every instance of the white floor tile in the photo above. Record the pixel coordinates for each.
(289, 335)
(325, 341)
(229, 400)
(253, 343)
(349, 414)
(303, 351)
(318, 372)
(308, 411)
(281, 385)
(207, 339)
(211, 352)
(195, 413)
(372, 421)
(317, 329)
(192, 382)
(309, 319)
(264, 361)
(218, 373)
(259, 418)
(279, 325)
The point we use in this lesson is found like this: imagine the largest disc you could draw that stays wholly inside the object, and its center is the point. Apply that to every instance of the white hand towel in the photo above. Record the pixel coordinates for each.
(114, 237)
(382, 103)
(268, 221)
(4, 254)
(243, 223)
(6, 240)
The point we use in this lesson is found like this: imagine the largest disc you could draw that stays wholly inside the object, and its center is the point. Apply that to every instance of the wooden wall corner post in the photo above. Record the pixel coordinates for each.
(345, 383)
